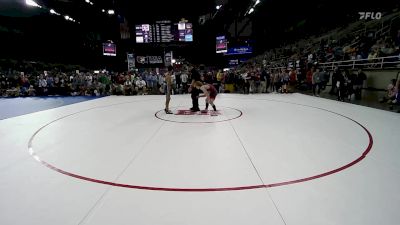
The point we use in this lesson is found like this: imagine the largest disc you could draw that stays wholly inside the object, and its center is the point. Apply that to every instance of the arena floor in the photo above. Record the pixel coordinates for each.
(264, 159)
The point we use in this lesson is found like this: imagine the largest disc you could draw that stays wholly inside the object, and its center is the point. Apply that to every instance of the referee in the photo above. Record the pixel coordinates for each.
(194, 91)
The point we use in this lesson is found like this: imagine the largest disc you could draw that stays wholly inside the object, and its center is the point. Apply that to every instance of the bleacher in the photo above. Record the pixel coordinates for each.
(341, 41)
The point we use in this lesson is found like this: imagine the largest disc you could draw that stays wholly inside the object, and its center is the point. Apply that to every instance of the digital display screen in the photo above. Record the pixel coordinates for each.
(109, 49)
(143, 33)
(164, 32)
(221, 44)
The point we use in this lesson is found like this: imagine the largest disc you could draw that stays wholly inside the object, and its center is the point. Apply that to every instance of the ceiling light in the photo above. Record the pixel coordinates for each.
(111, 12)
(89, 2)
(32, 3)
(251, 10)
(218, 7)
(258, 1)
(52, 11)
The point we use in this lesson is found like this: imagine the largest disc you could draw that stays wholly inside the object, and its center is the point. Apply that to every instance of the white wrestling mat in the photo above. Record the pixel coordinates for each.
(263, 159)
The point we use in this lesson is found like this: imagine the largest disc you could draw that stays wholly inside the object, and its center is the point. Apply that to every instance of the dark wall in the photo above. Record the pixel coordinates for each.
(52, 39)
(277, 22)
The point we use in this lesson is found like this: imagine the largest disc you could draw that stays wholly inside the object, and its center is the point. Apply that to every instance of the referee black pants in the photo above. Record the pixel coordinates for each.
(195, 98)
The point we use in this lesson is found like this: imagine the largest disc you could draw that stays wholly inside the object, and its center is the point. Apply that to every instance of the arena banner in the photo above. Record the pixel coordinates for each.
(131, 61)
(221, 44)
(168, 58)
(239, 50)
(155, 59)
(149, 61)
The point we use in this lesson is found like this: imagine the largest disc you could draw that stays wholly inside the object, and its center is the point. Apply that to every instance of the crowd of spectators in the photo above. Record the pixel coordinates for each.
(392, 95)
(347, 85)
(358, 41)
(280, 70)
(101, 83)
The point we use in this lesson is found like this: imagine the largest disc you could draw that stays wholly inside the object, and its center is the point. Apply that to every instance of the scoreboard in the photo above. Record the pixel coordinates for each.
(109, 49)
(164, 32)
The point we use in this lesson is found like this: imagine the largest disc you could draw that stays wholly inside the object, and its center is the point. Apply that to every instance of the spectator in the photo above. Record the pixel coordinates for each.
(278, 81)
(340, 85)
(309, 78)
(335, 75)
(184, 79)
(178, 82)
(154, 79)
(149, 80)
(31, 91)
(292, 77)
(246, 83)
(141, 86)
(257, 82)
(24, 86)
(372, 56)
(263, 80)
(219, 79)
(57, 85)
(42, 85)
(350, 81)
(397, 90)
(324, 75)
(285, 81)
(316, 82)
(161, 83)
(50, 84)
(128, 87)
(359, 84)
(390, 92)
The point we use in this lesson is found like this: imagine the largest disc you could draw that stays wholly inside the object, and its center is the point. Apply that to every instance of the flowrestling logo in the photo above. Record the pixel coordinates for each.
(149, 59)
(370, 15)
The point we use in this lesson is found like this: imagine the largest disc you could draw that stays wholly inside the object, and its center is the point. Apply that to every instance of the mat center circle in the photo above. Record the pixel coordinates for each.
(185, 115)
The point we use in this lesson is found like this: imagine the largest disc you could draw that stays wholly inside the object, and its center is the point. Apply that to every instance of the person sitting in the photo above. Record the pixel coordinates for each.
(31, 91)
(128, 87)
(390, 92)
(140, 86)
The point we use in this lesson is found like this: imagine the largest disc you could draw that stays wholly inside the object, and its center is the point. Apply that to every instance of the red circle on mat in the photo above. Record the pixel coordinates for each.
(346, 166)
(240, 113)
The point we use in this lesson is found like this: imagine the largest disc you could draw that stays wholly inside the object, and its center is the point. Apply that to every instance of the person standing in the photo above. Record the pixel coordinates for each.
(360, 83)
(219, 79)
(195, 76)
(341, 86)
(168, 80)
(252, 81)
(316, 82)
(184, 79)
(324, 76)
(178, 82)
(263, 80)
(285, 81)
(335, 75)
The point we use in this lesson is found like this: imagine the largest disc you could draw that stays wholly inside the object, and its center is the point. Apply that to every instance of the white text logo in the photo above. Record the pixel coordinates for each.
(370, 15)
